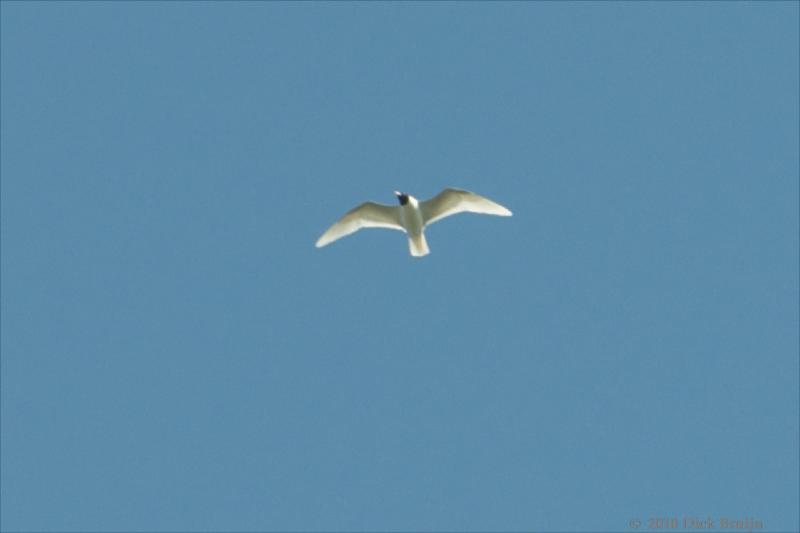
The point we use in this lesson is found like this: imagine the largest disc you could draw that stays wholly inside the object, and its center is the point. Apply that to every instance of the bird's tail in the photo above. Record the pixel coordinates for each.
(417, 245)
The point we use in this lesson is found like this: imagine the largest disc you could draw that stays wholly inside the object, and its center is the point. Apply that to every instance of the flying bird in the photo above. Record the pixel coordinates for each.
(411, 216)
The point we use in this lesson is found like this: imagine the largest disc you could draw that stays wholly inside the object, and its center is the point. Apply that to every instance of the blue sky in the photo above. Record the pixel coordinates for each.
(176, 354)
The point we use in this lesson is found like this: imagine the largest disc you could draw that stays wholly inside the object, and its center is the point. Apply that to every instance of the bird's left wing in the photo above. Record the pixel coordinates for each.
(452, 201)
(366, 215)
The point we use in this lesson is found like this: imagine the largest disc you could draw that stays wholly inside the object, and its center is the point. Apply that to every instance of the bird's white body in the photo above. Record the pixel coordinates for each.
(411, 216)
(411, 220)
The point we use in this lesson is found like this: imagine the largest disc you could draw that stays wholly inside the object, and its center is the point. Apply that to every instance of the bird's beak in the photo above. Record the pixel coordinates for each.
(398, 193)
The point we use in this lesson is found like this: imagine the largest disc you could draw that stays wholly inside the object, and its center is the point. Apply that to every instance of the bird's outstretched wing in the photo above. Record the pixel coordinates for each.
(452, 201)
(366, 215)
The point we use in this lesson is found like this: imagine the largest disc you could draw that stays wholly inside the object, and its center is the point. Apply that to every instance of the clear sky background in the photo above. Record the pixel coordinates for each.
(176, 354)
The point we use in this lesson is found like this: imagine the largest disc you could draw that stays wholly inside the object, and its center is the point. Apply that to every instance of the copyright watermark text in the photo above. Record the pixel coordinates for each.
(722, 523)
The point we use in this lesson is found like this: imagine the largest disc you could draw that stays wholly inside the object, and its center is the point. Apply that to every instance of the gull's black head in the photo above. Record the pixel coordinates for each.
(402, 197)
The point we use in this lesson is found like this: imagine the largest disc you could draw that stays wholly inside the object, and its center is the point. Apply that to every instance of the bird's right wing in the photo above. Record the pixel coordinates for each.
(452, 201)
(367, 215)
